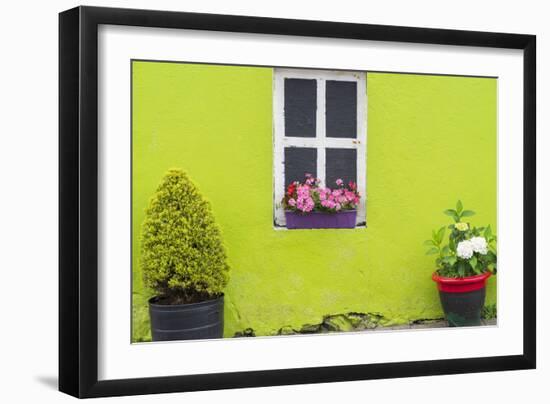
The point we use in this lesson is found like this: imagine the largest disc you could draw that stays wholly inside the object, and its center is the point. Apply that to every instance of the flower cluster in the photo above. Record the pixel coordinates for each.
(470, 250)
(461, 226)
(310, 196)
(466, 249)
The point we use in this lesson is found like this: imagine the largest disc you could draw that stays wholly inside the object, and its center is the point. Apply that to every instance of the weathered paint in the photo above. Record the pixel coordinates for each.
(431, 140)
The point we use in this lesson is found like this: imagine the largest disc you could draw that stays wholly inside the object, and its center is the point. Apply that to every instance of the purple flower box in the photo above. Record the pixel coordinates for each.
(321, 220)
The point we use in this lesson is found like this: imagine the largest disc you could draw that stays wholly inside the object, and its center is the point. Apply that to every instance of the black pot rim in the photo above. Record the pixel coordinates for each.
(152, 300)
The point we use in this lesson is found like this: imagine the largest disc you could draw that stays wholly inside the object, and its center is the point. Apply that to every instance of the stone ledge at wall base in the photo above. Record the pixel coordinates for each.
(321, 220)
(462, 299)
(173, 322)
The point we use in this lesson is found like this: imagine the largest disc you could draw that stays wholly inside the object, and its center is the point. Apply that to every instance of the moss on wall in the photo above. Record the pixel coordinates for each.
(431, 140)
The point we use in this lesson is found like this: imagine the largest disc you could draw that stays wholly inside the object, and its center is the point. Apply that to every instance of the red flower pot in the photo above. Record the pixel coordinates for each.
(462, 298)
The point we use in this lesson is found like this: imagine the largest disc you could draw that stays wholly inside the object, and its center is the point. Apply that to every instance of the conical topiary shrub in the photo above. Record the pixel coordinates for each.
(183, 258)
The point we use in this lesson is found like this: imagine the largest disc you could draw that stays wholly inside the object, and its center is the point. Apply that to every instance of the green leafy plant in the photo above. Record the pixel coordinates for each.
(468, 251)
(183, 258)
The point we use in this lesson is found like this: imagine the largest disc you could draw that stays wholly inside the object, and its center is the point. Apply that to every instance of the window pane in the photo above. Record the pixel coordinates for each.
(341, 163)
(298, 162)
(300, 107)
(341, 108)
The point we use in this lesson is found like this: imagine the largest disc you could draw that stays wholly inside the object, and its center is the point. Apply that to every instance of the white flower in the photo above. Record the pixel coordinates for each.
(479, 245)
(465, 249)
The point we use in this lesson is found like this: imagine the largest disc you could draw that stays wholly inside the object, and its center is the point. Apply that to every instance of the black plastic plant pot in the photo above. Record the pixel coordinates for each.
(462, 298)
(202, 320)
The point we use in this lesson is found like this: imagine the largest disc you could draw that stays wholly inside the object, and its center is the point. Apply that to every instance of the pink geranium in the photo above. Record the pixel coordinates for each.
(309, 196)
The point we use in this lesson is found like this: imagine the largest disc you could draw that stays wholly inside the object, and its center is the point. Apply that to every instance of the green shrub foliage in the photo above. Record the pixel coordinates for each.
(183, 258)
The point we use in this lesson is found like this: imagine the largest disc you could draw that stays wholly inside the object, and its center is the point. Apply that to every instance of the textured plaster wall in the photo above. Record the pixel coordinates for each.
(431, 140)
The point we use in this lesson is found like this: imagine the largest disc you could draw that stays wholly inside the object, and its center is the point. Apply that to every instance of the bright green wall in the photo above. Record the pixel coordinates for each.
(431, 140)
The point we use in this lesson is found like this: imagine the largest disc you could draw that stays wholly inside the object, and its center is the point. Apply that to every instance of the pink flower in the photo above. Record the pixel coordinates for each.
(303, 191)
(309, 195)
(350, 196)
(305, 204)
(324, 193)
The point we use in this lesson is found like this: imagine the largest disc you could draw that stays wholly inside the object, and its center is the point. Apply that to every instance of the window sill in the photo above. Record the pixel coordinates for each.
(358, 226)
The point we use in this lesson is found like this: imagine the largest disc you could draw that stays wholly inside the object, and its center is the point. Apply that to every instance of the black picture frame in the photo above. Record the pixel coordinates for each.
(78, 200)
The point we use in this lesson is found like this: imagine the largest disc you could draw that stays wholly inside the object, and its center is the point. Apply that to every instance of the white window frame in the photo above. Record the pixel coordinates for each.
(321, 142)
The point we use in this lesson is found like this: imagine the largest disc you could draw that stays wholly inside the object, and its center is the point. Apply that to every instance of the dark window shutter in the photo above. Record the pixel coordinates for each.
(298, 162)
(300, 107)
(341, 109)
(341, 163)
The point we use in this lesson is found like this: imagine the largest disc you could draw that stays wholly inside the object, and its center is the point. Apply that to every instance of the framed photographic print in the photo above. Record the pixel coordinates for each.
(251, 201)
